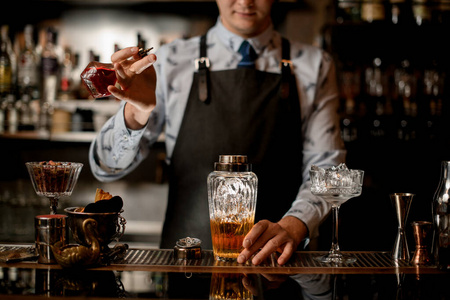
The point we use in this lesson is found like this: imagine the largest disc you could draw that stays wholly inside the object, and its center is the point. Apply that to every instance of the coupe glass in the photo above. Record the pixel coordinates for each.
(54, 179)
(336, 185)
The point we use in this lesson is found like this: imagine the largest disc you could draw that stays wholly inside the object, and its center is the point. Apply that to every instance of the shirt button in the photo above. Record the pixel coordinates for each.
(125, 138)
(114, 157)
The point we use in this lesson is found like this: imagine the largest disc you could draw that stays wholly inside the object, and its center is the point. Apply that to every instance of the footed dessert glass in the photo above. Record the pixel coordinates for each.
(336, 185)
(53, 179)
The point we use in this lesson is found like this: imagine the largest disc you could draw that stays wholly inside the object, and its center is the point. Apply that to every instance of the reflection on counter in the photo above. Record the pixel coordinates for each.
(161, 285)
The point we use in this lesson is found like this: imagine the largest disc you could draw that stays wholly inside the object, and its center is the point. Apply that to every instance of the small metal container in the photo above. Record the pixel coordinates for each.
(188, 248)
(49, 229)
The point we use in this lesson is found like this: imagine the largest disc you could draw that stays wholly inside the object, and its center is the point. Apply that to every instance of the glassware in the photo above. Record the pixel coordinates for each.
(441, 219)
(232, 190)
(97, 77)
(336, 185)
(53, 179)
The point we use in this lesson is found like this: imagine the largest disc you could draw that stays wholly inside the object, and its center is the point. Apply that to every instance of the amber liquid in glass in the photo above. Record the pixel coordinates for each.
(227, 237)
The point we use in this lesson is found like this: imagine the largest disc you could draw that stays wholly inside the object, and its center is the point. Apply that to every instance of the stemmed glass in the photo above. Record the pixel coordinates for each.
(53, 179)
(336, 185)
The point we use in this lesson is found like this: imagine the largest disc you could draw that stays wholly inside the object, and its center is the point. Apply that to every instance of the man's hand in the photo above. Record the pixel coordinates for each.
(137, 79)
(283, 237)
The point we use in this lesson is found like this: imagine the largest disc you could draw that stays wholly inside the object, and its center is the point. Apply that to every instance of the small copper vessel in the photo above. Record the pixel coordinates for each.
(422, 231)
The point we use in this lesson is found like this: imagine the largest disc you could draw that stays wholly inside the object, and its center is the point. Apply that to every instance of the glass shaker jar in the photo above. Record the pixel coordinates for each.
(232, 191)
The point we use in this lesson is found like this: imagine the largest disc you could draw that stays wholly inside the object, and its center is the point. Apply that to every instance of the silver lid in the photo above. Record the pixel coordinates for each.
(233, 163)
(188, 248)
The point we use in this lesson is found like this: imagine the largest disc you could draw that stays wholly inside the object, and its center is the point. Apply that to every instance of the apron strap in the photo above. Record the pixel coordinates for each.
(285, 65)
(202, 65)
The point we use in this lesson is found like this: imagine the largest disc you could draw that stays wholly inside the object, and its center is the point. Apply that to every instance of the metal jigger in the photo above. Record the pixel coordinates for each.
(422, 236)
(402, 203)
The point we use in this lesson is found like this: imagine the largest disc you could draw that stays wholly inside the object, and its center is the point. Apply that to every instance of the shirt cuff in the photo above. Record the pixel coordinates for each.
(126, 141)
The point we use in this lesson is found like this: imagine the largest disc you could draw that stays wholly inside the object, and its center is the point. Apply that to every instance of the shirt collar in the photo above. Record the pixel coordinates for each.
(234, 41)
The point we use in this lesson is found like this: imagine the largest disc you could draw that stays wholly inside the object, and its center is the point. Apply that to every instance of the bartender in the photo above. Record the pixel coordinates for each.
(239, 89)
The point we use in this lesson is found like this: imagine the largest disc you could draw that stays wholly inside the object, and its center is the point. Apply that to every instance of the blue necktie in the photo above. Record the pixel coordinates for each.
(248, 55)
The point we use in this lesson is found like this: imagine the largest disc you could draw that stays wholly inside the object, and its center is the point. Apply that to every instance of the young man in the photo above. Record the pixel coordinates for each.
(280, 109)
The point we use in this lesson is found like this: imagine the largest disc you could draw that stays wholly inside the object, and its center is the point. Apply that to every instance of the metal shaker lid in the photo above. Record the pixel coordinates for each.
(50, 220)
(233, 163)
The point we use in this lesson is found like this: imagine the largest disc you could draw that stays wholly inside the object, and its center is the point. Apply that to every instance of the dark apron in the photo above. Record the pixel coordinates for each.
(245, 113)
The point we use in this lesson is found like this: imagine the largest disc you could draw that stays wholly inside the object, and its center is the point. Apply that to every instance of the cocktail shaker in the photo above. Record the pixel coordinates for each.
(232, 190)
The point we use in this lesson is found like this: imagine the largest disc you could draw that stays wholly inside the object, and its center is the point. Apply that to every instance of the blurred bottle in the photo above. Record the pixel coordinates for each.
(348, 11)
(349, 94)
(404, 101)
(400, 12)
(441, 13)
(66, 82)
(6, 69)
(373, 11)
(2, 115)
(50, 67)
(26, 114)
(431, 102)
(422, 11)
(11, 53)
(11, 120)
(376, 101)
(28, 67)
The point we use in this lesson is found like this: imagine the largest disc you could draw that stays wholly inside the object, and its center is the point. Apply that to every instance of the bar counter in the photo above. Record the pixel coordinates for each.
(156, 274)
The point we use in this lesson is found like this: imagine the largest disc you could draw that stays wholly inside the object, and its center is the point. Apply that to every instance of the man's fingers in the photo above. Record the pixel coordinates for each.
(120, 71)
(257, 230)
(124, 54)
(118, 93)
(250, 285)
(288, 250)
(139, 66)
(264, 239)
(270, 247)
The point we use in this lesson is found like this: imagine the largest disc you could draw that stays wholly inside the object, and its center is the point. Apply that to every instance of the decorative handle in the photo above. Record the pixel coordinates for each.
(120, 228)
